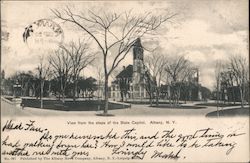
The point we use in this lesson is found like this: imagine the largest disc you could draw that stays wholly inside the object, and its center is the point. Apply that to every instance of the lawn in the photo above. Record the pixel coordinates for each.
(219, 104)
(167, 106)
(86, 105)
(145, 102)
(230, 112)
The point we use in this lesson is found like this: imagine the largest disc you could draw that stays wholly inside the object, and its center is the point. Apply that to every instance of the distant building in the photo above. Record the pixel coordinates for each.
(100, 93)
(2, 75)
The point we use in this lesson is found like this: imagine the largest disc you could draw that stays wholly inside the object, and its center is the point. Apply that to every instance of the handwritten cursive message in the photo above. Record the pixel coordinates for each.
(27, 140)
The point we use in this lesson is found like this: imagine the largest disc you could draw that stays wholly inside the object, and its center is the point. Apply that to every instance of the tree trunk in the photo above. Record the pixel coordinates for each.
(150, 98)
(40, 89)
(63, 96)
(217, 94)
(241, 98)
(106, 94)
(178, 95)
(49, 88)
(185, 98)
(61, 87)
(157, 96)
(75, 91)
(122, 96)
(169, 95)
(99, 89)
(233, 94)
(189, 93)
(41, 96)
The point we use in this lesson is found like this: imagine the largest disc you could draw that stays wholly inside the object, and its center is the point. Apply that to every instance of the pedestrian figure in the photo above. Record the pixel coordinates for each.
(22, 105)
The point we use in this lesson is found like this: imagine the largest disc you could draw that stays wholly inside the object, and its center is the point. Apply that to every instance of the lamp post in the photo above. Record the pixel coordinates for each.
(16, 88)
(16, 94)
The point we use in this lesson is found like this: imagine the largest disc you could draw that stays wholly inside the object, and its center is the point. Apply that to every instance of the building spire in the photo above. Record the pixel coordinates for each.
(138, 50)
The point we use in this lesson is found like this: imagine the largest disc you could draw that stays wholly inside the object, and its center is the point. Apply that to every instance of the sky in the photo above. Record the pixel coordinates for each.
(204, 31)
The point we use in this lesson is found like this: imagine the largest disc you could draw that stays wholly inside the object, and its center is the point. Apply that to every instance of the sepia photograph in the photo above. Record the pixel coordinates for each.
(122, 60)
(168, 58)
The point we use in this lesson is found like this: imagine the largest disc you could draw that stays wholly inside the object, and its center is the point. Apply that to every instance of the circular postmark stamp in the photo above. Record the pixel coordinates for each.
(43, 34)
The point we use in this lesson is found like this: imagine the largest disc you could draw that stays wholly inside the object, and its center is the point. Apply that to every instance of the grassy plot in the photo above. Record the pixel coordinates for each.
(219, 104)
(86, 105)
(230, 112)
(178, 107)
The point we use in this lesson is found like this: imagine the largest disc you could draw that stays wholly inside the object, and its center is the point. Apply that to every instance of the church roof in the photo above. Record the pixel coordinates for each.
(126, 72)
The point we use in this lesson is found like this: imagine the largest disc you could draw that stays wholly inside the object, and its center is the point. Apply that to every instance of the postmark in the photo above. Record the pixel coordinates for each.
(43, 34)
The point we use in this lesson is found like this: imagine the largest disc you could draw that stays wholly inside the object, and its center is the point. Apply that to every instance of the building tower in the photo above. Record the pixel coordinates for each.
(138, 70)
(197, 81)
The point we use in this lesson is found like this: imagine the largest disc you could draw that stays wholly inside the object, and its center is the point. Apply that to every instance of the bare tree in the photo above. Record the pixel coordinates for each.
(113, 32)
(179, 69)
(100, 77)
(232, 83)
(80, 59)
(61, 66)
(239, 68)
(44, 73)
(150, 84)
(156, 62)
(218, 70)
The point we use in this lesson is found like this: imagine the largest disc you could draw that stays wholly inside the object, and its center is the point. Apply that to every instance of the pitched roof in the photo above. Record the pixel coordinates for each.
(126, 72)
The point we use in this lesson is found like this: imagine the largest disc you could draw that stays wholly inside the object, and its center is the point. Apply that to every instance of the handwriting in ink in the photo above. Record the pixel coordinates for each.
(129, 143)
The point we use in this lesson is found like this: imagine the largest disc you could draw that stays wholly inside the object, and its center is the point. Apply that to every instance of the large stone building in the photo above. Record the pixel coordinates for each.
(130, 82)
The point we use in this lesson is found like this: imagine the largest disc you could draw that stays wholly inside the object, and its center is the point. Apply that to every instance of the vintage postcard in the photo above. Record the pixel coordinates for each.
(125, 81)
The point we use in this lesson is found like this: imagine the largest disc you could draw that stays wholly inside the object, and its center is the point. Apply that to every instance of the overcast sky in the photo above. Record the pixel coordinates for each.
(205, 31)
